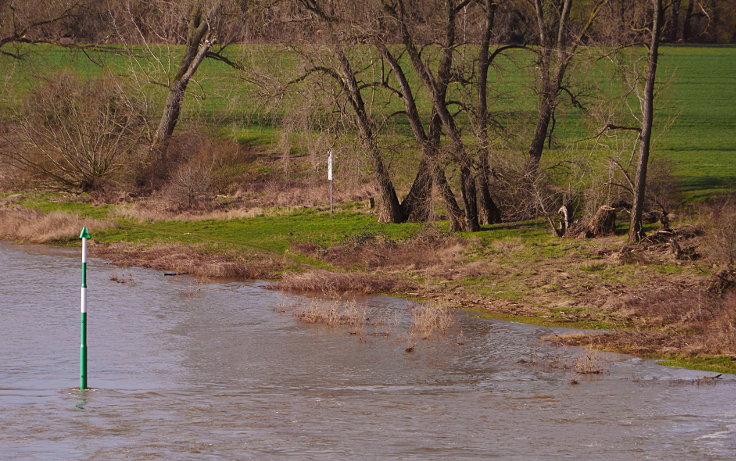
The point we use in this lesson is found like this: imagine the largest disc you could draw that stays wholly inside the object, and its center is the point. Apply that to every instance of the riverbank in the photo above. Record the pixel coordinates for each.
(656, 298)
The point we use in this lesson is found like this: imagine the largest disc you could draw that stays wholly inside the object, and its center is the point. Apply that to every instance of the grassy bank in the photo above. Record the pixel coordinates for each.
(515, 272)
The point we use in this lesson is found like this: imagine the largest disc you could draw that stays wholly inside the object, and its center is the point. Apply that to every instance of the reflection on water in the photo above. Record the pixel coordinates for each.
(186, 371)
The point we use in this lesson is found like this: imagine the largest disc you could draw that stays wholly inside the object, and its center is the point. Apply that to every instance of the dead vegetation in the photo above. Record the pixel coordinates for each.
(590, 363)
(427, 320)
(337, 283)
(684, 324)
(431, 318)
(123, 277)
(429, 247)
(22, 224)
(337, 313)
(153, 210)
(196, 261)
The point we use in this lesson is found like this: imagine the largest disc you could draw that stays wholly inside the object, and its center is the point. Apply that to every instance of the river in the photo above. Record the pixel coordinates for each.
(183, 370)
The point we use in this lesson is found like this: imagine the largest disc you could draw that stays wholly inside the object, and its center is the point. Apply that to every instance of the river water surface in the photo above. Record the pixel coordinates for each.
(188, 371)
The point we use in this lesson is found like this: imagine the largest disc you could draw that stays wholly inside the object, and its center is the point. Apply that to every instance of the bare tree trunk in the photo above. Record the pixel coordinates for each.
(687, 21)
(552, 68)
(540, 133)
(428, 143)
(673, 25)
(391, 210)
(196, 50)
(437, 87)
(636, 232)
(490, 212)
(603, 222)
(416, 206)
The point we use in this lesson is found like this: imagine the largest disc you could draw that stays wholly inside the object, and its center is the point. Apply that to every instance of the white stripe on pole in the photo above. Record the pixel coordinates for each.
(329, 166)
(84, 250)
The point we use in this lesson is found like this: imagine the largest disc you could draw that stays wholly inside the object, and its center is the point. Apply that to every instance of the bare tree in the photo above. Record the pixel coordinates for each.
(344, 29)
(561, 36)
(636, 231)
(151, 31)
(29, 21)
(428, 139)
(197, 46)
(437, 82)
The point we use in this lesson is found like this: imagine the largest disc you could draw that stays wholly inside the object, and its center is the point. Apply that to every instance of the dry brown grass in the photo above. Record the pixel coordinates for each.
(427, 320)
(19, 223)
(681, 324)
(190, 292)
(196, 261)
(428, 248)
(336, 283)
(431, 318)
(337, 313)
(313, 192)
(589, 363)
(719, 243)
(153, 210)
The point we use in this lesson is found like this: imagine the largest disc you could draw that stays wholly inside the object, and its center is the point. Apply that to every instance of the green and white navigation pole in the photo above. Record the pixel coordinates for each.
(329, 176)
(83, 347)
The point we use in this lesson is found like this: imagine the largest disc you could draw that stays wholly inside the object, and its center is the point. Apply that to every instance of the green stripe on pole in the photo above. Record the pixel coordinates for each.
(83, 353)
(84, 235)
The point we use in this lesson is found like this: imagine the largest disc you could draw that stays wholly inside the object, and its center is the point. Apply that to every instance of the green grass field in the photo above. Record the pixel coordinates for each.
(695, 123)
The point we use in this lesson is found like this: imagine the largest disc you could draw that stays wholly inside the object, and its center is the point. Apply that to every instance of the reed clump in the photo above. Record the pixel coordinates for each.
(331, 283)
(431, 318)
(590, 363)
(338, 313)
(26, 225)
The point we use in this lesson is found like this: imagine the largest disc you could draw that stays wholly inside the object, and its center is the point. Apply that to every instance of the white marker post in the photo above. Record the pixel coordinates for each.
(329, 175)
(83, 345)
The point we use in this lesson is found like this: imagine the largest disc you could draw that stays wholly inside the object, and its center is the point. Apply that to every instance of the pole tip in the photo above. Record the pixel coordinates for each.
(84, 234)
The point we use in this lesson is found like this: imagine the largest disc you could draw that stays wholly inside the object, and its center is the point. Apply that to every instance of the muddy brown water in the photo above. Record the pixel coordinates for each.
(189, 371)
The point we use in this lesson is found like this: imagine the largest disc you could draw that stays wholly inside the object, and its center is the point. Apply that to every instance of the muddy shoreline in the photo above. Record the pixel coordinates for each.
(624, 337)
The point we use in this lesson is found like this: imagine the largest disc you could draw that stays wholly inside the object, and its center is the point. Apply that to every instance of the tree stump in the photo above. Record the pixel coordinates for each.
(603, 222)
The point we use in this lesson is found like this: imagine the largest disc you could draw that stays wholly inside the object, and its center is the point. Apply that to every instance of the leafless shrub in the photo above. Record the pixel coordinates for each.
(76, 135)
(662, 192)
(191, 184)
(526, 192)
(334, 283)
(720, 239)
(32, 226)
